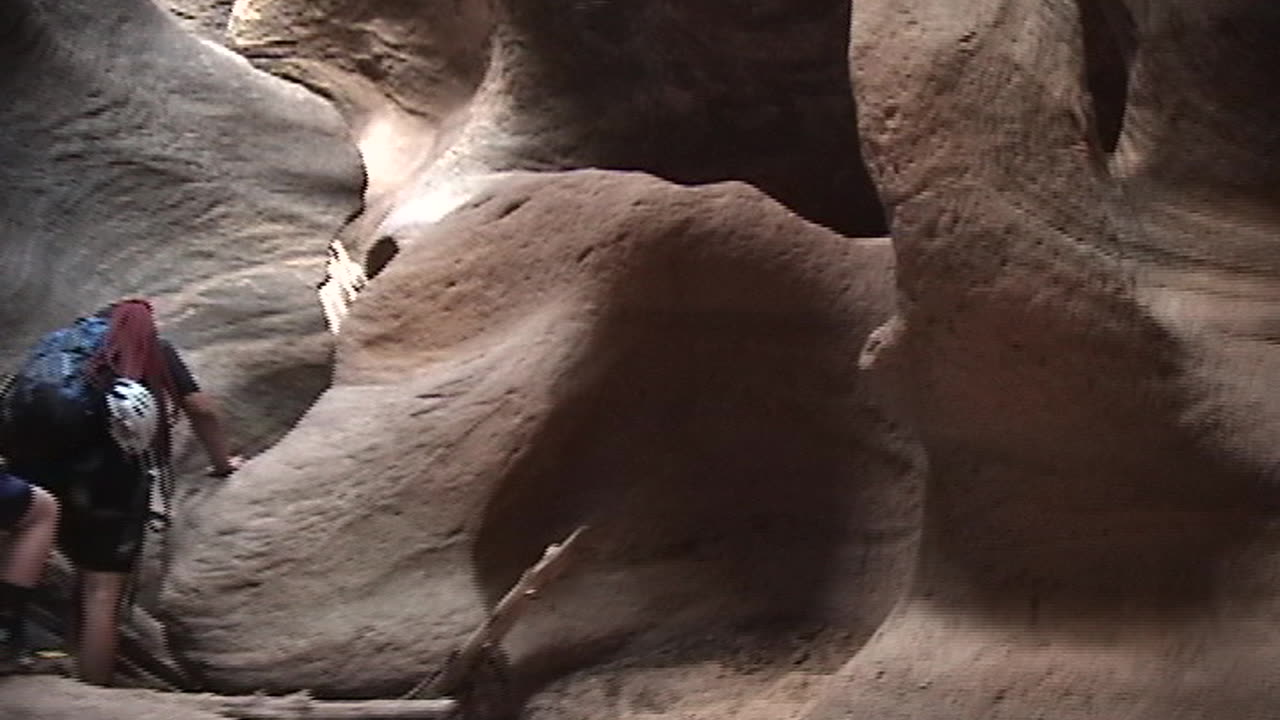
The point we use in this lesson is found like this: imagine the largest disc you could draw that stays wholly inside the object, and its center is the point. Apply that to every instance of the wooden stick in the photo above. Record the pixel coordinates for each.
(303, 707)
(500, 620)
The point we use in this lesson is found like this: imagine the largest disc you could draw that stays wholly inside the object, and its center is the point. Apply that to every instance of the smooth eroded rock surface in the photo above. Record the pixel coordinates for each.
(693, 92)
(1076, 320)
(674, 367)
(1081, 202)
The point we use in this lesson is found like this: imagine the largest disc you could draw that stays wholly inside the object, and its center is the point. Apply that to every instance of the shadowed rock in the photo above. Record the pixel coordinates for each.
(58, 699)
(1086, 272)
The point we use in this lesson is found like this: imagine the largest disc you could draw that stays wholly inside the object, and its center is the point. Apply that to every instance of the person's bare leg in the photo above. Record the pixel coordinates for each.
(99, 625)
(32, 541)
(28, 552)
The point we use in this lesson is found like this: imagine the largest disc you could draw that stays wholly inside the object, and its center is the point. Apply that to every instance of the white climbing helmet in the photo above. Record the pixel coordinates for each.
(132, 415)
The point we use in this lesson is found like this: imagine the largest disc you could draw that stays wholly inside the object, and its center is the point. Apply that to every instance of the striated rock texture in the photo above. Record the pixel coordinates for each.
(140, 160)
(1083, 202)
(401, 72)
(426, 58)
(1083, 205)
(693, 92)
(205, 18)
(674, 367)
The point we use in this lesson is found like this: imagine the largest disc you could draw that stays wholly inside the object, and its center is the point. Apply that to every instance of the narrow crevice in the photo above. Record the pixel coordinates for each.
(382, 252)
(1110, 39)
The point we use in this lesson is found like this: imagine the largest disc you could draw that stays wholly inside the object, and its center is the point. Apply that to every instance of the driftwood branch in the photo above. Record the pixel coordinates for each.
(304, 707)
(500, 620)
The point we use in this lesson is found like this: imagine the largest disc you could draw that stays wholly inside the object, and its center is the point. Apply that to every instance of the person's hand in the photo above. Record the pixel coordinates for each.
(233, 464)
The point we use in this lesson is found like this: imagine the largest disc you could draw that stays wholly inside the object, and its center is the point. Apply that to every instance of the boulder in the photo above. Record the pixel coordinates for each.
(674, 367)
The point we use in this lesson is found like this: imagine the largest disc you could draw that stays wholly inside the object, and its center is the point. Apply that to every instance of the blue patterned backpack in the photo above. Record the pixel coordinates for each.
(51, 404)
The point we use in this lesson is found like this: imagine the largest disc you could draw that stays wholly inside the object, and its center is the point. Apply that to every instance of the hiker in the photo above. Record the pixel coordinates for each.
(103, 477)
(30, 515)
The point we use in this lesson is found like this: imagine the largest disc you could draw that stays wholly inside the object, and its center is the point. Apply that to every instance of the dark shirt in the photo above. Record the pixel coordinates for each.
(183, 381)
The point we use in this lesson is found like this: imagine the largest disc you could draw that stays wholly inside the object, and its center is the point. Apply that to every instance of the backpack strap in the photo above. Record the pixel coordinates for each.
(6, 422)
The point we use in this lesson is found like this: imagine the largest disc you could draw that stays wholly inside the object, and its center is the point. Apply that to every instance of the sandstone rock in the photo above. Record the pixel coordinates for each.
(140, 160)
(1082, 198)
(1085, 266)
(675, 367)
(401, 73)
(693, 92)
(205, 18)
(425, 58)
(58, 699)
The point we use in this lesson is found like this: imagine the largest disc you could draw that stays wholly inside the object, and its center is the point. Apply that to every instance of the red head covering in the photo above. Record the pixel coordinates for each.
(132, 350)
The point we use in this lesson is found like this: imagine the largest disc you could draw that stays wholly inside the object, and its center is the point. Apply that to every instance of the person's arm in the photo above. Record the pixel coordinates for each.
(205, 420)
(203, 413)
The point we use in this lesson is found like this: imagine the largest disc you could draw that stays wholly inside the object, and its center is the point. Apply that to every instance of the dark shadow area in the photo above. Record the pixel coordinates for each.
(704, 91)
(1017, 545)
(1110, 41)
(24, 36)
(383, 251)
(1077, 473)
(717, 439)
(1207, 73)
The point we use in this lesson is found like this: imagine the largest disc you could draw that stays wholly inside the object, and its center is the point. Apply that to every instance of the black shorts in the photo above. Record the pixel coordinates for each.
(15, 500)
(104, 499)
